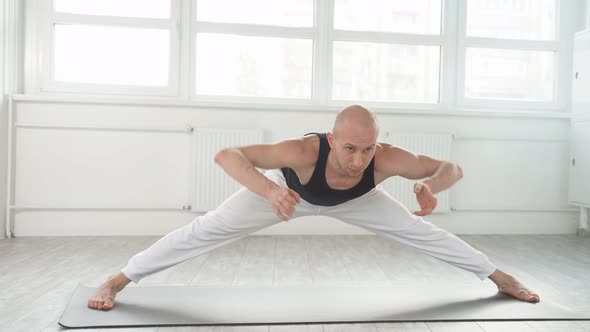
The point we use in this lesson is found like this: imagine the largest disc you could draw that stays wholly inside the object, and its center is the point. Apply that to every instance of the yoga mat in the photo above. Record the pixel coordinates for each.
(245, 305)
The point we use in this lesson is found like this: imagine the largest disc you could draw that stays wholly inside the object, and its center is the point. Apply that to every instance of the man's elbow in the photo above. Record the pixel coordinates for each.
(221, 155)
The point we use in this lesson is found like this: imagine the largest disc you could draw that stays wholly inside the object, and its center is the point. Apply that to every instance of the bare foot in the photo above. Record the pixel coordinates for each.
(510, 286)
(104, 297)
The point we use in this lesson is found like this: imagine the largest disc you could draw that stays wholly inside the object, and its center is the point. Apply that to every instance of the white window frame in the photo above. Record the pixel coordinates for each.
(324, 35)
(184, 27)
(48, 18)
(258, 31)
(562, 64)
(441, 40)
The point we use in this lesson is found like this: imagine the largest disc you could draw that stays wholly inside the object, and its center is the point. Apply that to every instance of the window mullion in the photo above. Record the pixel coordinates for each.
(511, 44)
(461, 19)
(387, 37)
(322, 52)
(46, 33)
(184, 68)
(254, 30)
(193, 30)
(563, 63)
(67, 18)
(176, 35)
(37, 44)
(448, 70)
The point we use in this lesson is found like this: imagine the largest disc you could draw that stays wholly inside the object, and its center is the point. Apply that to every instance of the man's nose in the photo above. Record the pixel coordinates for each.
(357, 162)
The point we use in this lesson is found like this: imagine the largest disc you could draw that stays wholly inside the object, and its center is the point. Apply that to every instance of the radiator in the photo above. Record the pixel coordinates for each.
(211, 184)
(437, 146)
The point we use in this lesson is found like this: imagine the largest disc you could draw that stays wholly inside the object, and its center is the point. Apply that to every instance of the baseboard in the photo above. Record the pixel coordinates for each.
(88, 223)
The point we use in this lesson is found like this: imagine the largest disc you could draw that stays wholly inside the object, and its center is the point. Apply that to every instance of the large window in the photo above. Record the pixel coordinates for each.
(511, 50)
(391, 53)
(111, 46)
(242, 50)
(387, 51)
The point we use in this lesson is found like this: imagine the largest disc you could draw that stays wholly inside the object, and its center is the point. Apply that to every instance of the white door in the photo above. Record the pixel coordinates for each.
(579, 188)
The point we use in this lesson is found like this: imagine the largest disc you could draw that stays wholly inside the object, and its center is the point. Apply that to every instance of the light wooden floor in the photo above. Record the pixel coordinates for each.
(39, 274)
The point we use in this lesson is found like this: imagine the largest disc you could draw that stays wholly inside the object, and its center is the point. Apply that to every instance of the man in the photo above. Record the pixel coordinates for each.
(333, 174)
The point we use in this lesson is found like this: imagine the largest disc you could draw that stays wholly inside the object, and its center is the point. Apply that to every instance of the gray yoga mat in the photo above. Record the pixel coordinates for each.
(244, 305)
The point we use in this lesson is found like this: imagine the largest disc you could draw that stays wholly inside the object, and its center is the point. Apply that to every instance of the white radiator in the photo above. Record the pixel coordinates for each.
(437, 146)
(211, 184)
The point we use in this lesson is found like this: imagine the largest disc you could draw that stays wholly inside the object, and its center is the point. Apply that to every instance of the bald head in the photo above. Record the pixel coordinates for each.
(353, 141)
(355, 118)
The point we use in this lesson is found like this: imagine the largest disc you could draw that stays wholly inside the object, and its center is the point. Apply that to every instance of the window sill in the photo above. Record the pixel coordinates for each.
(302, 106)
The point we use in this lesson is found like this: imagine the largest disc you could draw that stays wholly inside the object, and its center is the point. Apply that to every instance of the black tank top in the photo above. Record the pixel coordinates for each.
(317, 191)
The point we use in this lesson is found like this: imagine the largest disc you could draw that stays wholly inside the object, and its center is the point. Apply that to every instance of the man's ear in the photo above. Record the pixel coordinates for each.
(330, 138)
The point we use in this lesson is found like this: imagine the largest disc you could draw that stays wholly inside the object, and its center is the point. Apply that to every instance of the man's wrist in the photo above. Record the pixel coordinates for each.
(427, 182)
(431, 184)
(269, 188)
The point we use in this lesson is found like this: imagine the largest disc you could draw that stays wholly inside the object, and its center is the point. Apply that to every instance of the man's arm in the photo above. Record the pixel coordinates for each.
(241, 162)
(445, 176)
(438, 175)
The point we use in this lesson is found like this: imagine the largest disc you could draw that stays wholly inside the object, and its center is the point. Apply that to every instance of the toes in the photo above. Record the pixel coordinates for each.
(108, 304)
(527, 295)
(523, 295)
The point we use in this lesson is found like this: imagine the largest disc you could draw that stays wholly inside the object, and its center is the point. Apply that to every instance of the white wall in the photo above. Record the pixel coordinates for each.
(516, 168)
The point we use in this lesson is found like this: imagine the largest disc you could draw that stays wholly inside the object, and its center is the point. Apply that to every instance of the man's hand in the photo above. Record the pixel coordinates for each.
(283, 201)
(425, 198)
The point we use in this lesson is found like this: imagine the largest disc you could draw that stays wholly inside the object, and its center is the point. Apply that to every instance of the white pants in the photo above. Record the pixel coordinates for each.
(246, 212)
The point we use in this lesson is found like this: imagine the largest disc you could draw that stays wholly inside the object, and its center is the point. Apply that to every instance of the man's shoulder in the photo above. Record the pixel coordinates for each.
(303, 151)
(387, 156)
(391, 160)
(386, 149)
(311, 148)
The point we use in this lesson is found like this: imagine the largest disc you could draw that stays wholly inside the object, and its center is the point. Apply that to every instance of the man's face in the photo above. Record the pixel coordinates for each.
(353, 149)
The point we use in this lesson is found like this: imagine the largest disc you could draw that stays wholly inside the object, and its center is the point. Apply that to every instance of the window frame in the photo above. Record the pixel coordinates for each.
(182, 76)
(440, 40)
(46, 70)
(562, 64)
(255, 30)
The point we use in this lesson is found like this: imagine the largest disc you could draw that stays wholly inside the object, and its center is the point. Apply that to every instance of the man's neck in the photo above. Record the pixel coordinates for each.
(334, 171)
